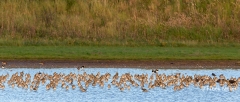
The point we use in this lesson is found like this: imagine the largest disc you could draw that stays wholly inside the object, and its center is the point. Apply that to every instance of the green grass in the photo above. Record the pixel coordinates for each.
(117, 53)
(140, 29)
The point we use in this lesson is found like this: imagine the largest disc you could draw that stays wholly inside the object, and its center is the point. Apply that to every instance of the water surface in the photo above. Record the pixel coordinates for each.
(97, 94)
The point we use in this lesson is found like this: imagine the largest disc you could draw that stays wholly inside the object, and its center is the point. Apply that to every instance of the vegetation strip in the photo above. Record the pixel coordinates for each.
(120, 22)
(118, 53)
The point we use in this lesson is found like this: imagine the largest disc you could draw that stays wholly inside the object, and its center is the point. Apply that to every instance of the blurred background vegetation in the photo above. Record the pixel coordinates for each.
(120, 22)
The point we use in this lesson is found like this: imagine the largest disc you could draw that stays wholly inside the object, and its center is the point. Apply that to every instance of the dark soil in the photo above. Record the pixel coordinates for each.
(164, 64)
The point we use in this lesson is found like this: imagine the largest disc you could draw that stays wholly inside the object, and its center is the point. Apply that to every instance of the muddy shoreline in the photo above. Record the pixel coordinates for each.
(164, 64)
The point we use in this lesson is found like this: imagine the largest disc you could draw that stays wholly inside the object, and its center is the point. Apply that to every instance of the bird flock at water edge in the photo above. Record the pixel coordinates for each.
(123, 82)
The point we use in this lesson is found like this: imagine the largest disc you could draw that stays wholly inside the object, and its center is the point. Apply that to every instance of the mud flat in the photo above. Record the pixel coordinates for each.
(163, 64)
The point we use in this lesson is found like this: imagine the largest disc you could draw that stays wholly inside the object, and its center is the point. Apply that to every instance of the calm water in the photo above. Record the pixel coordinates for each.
(97, 94)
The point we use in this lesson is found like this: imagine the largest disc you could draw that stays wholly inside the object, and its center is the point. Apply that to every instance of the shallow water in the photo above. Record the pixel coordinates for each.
(93, 94)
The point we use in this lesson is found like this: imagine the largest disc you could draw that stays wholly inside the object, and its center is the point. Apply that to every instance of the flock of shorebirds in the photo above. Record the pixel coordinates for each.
(123, 82)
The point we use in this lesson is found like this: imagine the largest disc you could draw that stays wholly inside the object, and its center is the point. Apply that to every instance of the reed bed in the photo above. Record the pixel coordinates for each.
(120, 22)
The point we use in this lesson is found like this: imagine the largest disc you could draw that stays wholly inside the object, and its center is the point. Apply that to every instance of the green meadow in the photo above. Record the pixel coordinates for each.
(118, 53)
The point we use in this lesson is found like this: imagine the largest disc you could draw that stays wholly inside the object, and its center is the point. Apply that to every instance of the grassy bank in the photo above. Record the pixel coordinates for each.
(118, 53)
(120, 22)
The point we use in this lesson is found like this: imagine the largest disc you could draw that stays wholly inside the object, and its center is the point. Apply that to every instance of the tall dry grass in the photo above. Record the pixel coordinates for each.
(120, 22)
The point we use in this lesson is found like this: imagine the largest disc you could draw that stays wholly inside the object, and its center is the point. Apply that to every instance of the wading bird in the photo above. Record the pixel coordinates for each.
(155, 70)
(4, 64)
(213, 74)
(41, 64)
(144, 90)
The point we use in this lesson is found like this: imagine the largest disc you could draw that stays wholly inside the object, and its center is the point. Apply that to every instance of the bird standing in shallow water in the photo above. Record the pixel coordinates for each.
(213, 74)
(144, 90)
(155, 70)
(231, 81)
(109, 86)
(78, 68)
